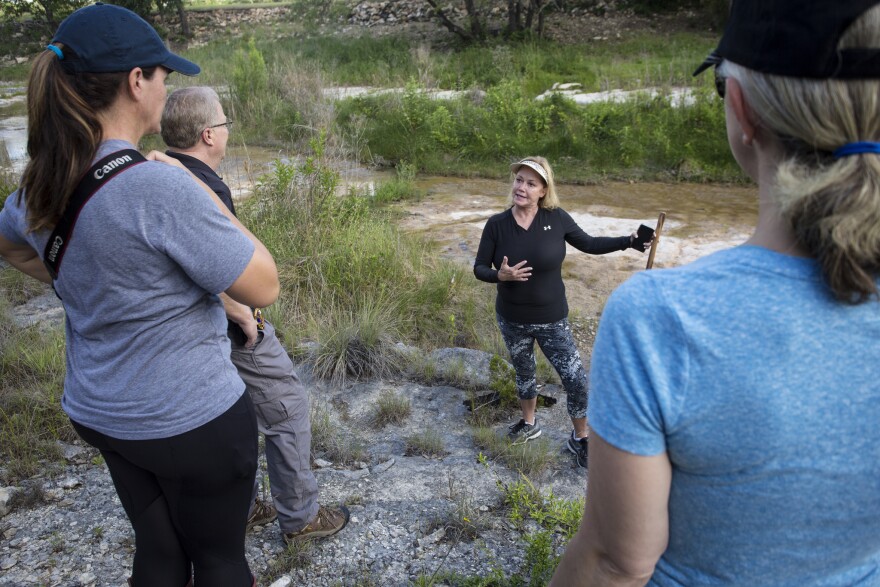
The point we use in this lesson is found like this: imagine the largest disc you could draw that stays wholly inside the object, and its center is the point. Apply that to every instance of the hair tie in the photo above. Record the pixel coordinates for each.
(856, 148)
(56, 51)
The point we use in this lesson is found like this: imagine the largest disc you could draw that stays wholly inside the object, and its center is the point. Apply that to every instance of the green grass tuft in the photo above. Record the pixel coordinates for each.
(531, 458)
(427, 444)
(391, 408)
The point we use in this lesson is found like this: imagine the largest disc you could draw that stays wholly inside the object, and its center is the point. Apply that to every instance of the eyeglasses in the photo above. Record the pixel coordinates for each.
(227, 124)
(720, 83)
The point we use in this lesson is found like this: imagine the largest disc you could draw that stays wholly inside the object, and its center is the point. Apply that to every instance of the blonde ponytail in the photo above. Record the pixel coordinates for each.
(832, 205)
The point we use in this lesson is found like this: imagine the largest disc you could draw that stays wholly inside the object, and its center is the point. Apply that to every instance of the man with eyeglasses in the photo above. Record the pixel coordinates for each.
(196, 131)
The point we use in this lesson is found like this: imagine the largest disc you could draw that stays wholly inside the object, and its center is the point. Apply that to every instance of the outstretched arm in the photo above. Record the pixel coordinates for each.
(625, 527)
(594, 245)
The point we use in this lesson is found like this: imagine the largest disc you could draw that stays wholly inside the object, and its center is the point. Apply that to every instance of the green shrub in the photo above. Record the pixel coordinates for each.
(350, 280)
(525, 502)
(401, 188)
(250, 77)
(644, 138)
(358, 345)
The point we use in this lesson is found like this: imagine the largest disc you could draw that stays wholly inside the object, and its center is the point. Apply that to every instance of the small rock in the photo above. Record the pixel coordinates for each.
(8, 563)
(433, 538)
(69, 483)
(284, 581)
(18, 542)
(5, 494)
(73, 452)
(55, 494)
(358, 474)
(382, 467)
(322, 464)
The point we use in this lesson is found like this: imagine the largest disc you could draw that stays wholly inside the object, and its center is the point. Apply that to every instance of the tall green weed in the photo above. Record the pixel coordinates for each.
(31, 382)
(342, 260)
(250, 76)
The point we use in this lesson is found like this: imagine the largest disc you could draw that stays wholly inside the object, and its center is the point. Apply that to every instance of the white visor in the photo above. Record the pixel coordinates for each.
(514, 167)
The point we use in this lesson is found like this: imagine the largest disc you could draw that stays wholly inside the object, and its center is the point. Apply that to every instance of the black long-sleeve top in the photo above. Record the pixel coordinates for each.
(541, 299)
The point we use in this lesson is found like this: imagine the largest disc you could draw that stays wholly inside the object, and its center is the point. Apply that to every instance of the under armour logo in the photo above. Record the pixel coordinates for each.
(547, 227)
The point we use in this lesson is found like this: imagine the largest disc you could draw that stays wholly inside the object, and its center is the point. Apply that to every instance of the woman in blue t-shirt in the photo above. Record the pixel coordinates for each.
(149, 381)
(735, 401)
(522, 250)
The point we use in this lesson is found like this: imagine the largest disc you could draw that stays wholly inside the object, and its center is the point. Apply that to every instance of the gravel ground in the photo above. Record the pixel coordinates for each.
(403, 508)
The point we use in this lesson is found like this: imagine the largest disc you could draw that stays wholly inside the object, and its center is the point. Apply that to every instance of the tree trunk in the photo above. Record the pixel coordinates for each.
(529, 13)
(50, 15)
(444, 20)
(540, 29)
(513, 24)
(474, 14)
(184, 22)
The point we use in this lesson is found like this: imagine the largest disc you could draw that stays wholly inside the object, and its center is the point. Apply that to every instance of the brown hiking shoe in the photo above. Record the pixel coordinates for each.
(328, 522)
(262, 514)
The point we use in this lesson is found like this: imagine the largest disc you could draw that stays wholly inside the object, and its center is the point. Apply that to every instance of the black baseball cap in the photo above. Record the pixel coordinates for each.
(108, 38)
(795, 38)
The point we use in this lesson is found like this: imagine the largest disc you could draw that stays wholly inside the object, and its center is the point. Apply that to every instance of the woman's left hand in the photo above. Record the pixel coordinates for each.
(633, 238)
(163, 158)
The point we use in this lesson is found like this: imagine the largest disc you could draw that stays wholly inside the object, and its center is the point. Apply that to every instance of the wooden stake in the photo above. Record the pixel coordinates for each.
(657, 232)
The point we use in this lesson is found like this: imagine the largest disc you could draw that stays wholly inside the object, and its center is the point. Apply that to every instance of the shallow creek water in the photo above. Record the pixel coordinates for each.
(700, 219)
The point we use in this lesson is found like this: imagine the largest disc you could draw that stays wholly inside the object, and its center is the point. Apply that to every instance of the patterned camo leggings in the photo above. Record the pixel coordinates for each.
(558, 345)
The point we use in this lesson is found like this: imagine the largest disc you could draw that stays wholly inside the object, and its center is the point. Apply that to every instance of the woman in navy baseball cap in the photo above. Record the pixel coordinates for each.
(145, 251)
(735, 401)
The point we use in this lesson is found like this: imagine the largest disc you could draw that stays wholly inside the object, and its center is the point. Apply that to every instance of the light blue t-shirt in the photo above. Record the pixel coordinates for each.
(147, 352)
(765, 393)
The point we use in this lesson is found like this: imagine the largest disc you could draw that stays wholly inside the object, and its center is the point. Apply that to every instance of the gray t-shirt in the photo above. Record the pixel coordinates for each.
(764, 392)
(147, 352)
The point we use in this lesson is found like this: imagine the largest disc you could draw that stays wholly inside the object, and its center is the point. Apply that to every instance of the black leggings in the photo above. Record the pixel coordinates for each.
(187, 497)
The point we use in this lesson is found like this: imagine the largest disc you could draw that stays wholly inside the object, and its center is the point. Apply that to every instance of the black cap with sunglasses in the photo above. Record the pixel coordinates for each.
(796, 38)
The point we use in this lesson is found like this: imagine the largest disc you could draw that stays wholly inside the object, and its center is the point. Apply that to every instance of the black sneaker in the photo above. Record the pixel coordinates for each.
(579, 449)
(520, 433)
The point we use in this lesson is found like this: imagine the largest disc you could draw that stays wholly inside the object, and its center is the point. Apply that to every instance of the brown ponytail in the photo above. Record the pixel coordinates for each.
(64, 132)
